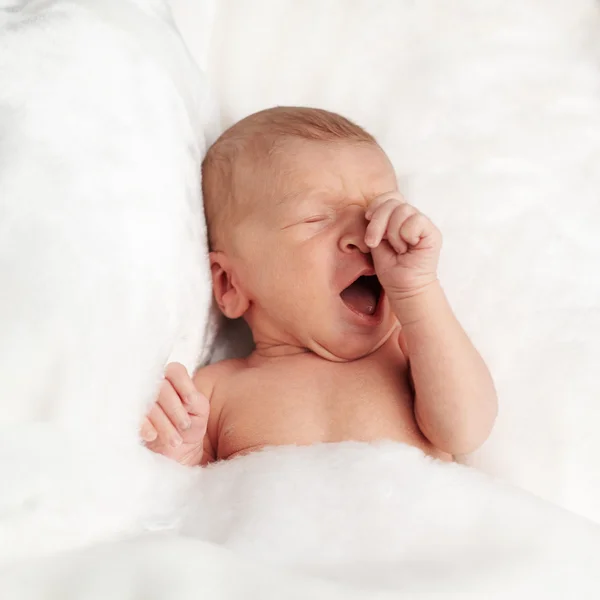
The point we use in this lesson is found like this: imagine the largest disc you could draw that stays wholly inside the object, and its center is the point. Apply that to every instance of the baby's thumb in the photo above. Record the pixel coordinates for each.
(197, 404)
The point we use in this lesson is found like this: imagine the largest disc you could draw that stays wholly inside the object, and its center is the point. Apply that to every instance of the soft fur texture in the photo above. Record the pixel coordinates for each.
(491, 113)
(350, 521)
(164, 567)
(102, 260)
(386, 517)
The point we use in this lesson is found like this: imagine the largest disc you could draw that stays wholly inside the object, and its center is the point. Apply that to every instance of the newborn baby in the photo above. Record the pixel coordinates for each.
(336, 276)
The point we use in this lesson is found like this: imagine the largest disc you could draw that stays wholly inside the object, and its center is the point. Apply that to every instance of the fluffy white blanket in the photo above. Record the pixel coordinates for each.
(103, 260)
(491, 112)
(386, 517)
(336, 521)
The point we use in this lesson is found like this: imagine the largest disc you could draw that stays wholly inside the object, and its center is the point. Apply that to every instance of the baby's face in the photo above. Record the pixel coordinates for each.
(299, 252)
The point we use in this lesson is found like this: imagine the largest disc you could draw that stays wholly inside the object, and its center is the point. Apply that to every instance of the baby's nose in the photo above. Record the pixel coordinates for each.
(353, 241)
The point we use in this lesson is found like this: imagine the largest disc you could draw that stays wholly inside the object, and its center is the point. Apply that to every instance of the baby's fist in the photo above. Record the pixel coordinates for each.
(176, 424)
(404, 243)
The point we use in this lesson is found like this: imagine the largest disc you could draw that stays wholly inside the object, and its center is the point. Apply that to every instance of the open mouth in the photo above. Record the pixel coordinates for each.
(362, 296)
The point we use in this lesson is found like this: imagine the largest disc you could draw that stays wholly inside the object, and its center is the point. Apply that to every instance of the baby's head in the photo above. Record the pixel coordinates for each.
(285, 192)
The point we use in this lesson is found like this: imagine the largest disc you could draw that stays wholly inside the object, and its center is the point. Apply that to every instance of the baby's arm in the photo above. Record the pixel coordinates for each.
(176, 424)
(455, 399)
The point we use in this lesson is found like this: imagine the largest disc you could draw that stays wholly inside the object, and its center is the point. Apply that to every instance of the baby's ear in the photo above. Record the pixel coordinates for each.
(228, 293)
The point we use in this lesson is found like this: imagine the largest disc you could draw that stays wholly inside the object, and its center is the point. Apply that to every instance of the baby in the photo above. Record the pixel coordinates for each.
(336, 276)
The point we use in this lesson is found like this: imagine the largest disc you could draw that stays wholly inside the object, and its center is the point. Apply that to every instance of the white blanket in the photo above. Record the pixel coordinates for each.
(491, 112)
(336, 521)
(103, 265)
(386, 517)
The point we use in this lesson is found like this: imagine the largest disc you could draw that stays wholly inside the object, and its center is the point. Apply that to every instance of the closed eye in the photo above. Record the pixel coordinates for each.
(309, 221)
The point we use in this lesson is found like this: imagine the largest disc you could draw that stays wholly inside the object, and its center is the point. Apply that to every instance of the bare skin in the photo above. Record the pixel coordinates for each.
(302, 399)
(328, 366)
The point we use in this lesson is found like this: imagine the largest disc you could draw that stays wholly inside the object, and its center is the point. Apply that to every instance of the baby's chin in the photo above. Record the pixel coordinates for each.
(349, 350)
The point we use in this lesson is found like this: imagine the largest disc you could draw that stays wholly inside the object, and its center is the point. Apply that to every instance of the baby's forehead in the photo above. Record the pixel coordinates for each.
(333, 174)
(335, 198)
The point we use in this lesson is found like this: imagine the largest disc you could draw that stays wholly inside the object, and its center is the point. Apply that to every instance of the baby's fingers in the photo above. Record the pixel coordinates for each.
(147, 431)
(401, 215)
(417, 228)
(198, 405)
(182, 383)
(380, 200)
(172, 406)
(194, 402)
(378, 222)
(167, 433)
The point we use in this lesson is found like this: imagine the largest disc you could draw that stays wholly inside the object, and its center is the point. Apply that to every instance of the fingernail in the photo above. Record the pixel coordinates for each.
(176, 441)
(185, 422)
(193, 398)
(149, 436)
(369, 241)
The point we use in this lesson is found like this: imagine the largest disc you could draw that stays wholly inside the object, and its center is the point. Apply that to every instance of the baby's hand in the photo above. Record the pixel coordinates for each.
(405, 245)
(176, 424)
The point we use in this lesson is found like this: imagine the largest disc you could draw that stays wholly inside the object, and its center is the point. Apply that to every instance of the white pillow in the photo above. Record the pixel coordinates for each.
(491, 113)
(103, 259)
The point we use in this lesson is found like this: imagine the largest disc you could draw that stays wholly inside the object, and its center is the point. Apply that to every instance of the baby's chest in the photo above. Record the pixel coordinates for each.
(314, 402)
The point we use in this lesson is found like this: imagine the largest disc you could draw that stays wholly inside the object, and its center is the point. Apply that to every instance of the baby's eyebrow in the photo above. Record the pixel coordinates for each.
(330, 197)
(303, 194)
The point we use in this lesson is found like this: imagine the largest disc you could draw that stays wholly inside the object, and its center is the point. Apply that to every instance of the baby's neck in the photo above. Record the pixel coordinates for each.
(267, 350)
(270, 342)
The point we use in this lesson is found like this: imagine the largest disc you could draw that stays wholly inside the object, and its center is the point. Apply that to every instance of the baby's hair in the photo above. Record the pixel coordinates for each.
(250, 144)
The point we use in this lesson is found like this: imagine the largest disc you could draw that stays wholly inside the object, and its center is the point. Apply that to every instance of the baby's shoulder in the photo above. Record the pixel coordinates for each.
(207, 377)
